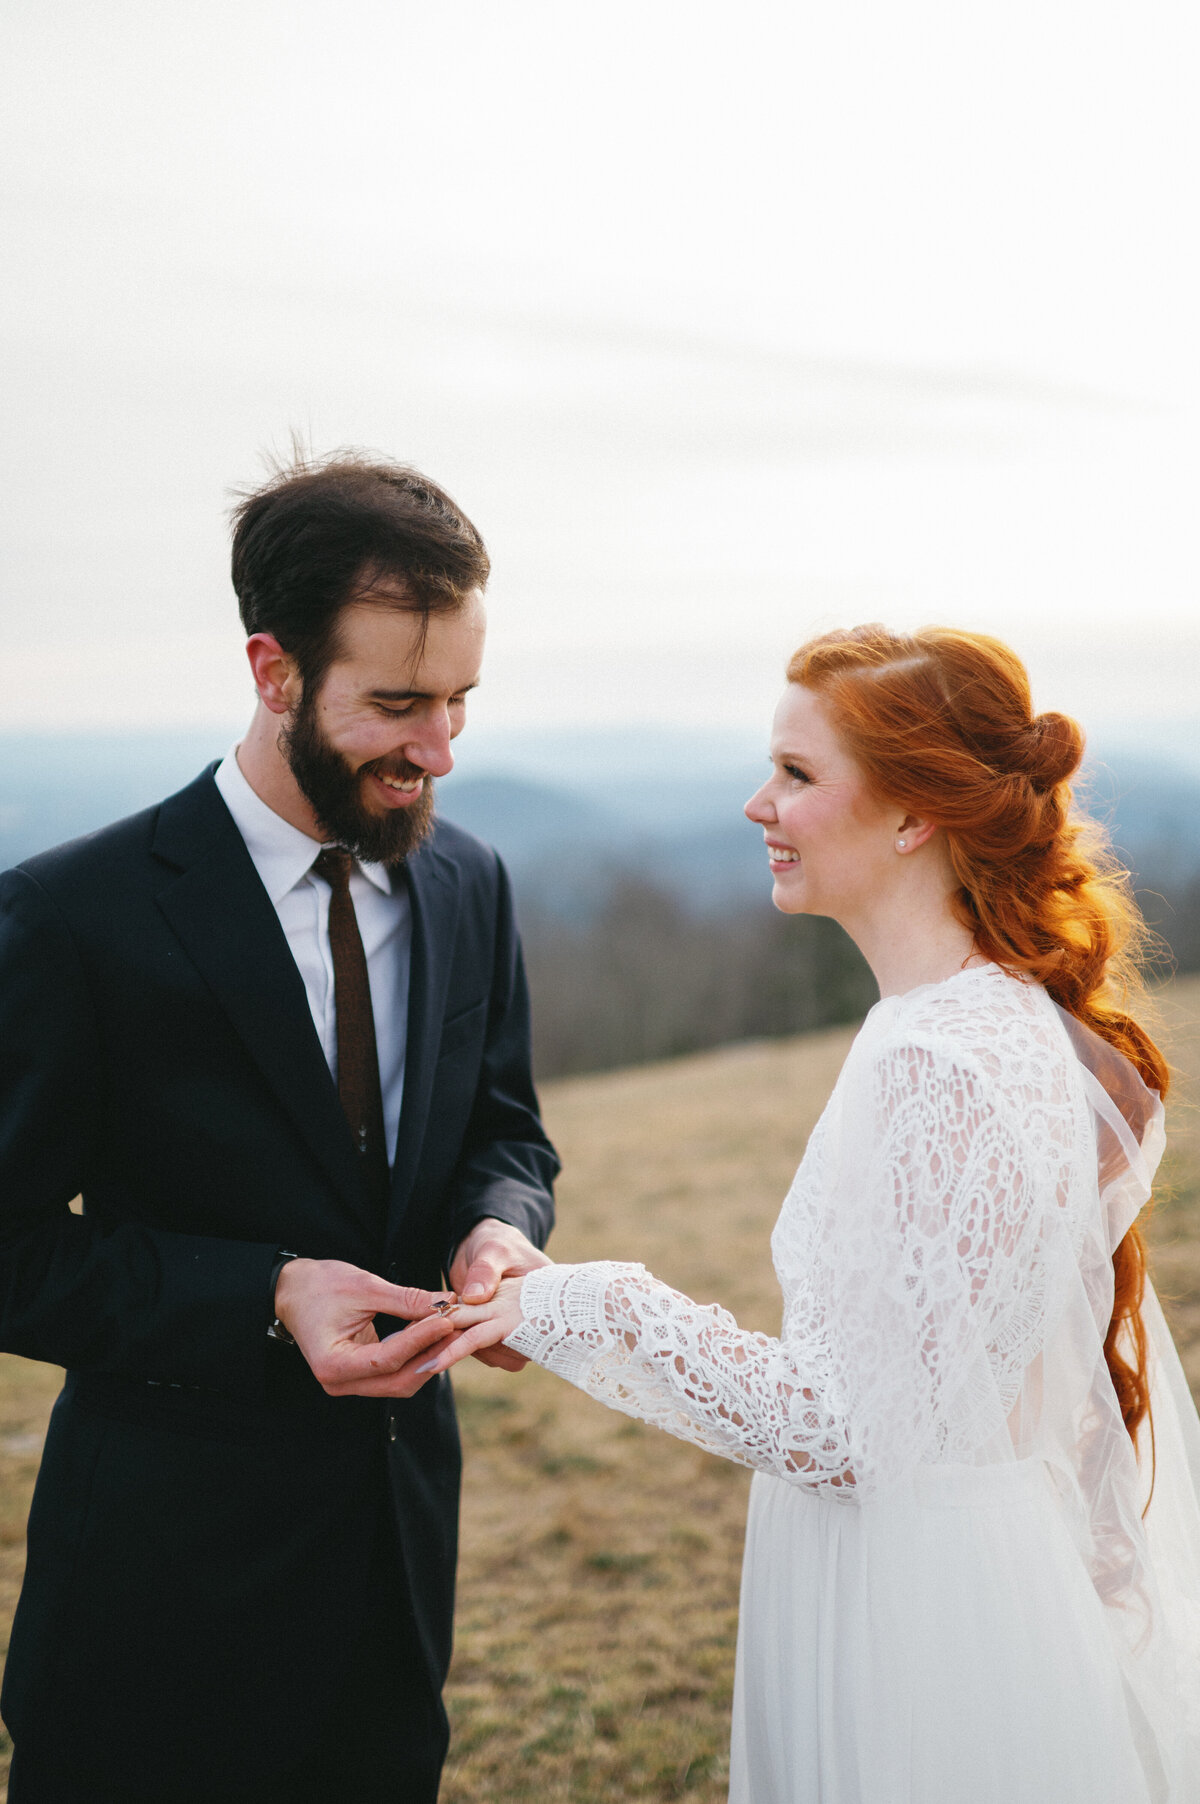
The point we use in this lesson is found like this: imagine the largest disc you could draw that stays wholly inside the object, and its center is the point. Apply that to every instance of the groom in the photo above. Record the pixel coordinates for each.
(275, 1032)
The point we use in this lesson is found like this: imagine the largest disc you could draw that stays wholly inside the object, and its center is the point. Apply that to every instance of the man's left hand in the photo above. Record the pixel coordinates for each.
(491, 1251)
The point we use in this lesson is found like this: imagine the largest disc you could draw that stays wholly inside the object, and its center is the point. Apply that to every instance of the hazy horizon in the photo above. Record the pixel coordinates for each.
(793, 321)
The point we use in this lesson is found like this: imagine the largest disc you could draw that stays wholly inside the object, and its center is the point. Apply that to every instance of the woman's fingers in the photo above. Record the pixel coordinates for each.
(466, 1315)
(471, 1340)
(497, 1308)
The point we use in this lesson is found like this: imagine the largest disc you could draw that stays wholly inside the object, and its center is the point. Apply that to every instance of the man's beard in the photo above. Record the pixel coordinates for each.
(333, 790)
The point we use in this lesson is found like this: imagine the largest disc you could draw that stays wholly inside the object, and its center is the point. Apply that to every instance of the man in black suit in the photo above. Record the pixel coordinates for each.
(275, 1032)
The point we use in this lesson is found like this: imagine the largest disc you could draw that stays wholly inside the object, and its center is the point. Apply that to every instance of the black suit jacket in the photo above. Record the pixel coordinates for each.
(200, 1533)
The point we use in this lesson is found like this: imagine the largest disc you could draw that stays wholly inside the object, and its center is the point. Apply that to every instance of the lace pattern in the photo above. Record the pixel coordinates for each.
(945, 1260)
(924, 1250)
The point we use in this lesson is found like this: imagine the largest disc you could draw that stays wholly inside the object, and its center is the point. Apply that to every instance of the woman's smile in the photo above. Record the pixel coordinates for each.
(780, 856)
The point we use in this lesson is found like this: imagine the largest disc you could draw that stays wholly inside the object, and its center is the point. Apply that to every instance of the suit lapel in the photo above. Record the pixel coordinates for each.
(226, 922)
(433, 892)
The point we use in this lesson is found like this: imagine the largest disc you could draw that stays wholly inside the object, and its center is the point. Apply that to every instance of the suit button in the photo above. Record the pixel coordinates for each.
(393, 1428)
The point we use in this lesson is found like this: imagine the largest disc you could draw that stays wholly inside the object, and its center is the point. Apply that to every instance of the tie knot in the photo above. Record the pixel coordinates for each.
(333, 863)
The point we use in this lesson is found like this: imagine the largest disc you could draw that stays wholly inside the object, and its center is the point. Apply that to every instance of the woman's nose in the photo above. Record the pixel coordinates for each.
(759, 808)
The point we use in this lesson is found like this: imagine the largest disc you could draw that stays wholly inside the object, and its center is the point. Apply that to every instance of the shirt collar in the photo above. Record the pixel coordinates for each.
(282, 854)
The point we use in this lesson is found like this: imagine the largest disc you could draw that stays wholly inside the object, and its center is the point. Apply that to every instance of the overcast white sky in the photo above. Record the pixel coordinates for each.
(723, 326)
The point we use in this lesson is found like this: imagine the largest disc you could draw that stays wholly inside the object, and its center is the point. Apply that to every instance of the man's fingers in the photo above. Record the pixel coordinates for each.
(405, 1301)
(395, 1350)
(485, 1272)
(345, 1367)
(403, 1383)
(491, 1251)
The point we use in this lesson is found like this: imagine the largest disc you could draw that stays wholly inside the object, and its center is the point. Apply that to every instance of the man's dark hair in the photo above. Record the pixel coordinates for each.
(322, 532)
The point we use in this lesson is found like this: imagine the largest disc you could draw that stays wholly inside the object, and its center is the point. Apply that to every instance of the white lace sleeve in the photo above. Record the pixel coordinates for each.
(647, 1350)
(909, 1249)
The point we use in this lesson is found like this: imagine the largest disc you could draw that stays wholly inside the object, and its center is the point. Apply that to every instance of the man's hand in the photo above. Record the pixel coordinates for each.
(491, 1251)
(329, 1309)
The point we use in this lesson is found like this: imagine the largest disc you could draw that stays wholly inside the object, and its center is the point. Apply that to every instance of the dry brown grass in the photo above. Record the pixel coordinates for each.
(1175, 1222)
(27, 1391)
(600, 1561)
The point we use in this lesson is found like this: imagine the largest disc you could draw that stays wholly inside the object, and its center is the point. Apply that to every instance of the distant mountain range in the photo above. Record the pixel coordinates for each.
(570, 814)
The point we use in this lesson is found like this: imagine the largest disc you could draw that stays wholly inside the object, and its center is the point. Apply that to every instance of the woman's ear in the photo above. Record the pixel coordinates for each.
(914, 830)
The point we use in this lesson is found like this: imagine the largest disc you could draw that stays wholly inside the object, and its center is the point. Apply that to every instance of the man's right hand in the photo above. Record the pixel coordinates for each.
(329, 1308)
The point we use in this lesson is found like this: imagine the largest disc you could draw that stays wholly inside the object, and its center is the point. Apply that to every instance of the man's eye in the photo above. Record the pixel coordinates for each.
(394, 713)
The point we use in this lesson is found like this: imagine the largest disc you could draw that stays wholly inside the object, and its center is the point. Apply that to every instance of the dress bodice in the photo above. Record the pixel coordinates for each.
(938, 1215)
(928, 1245)
(945, 1259)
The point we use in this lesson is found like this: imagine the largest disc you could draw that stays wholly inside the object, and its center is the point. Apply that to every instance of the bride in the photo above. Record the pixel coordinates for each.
(972, 1566)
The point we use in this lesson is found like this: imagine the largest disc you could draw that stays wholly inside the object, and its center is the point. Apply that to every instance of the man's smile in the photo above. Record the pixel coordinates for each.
(396, 792)
(407, 786)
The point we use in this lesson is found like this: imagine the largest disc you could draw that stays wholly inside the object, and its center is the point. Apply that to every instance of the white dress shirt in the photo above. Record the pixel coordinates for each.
(283, 858)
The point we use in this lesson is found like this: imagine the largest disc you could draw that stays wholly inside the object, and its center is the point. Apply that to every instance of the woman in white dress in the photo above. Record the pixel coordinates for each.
(972, 1567)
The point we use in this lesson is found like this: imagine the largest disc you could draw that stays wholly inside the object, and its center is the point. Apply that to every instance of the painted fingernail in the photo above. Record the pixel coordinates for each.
(429, 1366)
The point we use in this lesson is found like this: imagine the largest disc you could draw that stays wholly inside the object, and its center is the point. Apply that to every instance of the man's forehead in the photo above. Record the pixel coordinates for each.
(383, 589)
(405, 650)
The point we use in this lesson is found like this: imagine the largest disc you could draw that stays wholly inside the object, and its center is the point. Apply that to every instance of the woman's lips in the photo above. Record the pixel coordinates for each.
(781, 857)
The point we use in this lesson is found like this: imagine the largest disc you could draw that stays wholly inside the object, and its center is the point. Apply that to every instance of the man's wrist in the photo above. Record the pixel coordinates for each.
(277, 1330)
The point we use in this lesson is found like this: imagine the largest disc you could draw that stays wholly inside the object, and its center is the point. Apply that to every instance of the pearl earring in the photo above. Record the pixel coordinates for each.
(900, 844)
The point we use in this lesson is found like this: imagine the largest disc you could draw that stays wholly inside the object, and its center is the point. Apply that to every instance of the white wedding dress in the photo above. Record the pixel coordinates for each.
(950, 1595)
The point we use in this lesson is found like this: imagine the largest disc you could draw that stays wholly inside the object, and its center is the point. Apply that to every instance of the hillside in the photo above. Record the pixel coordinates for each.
(599, 1576)
(574, 813)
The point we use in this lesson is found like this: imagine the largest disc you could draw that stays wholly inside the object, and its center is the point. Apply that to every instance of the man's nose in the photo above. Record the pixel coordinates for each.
(430, 746)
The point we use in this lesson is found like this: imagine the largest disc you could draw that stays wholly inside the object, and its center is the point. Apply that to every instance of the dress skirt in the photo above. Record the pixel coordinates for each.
(945, 1646)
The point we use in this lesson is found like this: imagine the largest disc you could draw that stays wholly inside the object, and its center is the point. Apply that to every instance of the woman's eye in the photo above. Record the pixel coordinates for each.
(800, 776)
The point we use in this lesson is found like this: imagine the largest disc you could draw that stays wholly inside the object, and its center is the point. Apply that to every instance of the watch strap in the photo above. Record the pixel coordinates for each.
(277, 1331)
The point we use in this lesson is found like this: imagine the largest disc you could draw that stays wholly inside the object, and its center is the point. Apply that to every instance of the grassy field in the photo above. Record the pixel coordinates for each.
(599, 1575)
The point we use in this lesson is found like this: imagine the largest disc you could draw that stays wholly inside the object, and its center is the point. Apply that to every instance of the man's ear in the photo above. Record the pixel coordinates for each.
(275, 675)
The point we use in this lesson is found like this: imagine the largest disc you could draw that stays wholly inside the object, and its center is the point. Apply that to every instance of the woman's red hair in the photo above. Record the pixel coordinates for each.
(941, 722)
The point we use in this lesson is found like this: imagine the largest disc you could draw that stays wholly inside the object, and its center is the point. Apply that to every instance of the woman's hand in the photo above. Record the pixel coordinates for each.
(479, 1325)
(491, 1251)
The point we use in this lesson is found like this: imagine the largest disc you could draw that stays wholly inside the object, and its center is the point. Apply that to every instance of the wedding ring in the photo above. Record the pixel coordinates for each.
(446, 1305)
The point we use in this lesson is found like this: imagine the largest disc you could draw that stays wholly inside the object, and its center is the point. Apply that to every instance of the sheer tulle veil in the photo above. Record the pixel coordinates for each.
(1138, 1519)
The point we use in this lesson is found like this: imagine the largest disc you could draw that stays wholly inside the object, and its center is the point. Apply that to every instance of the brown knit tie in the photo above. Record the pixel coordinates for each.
(358, 1061)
